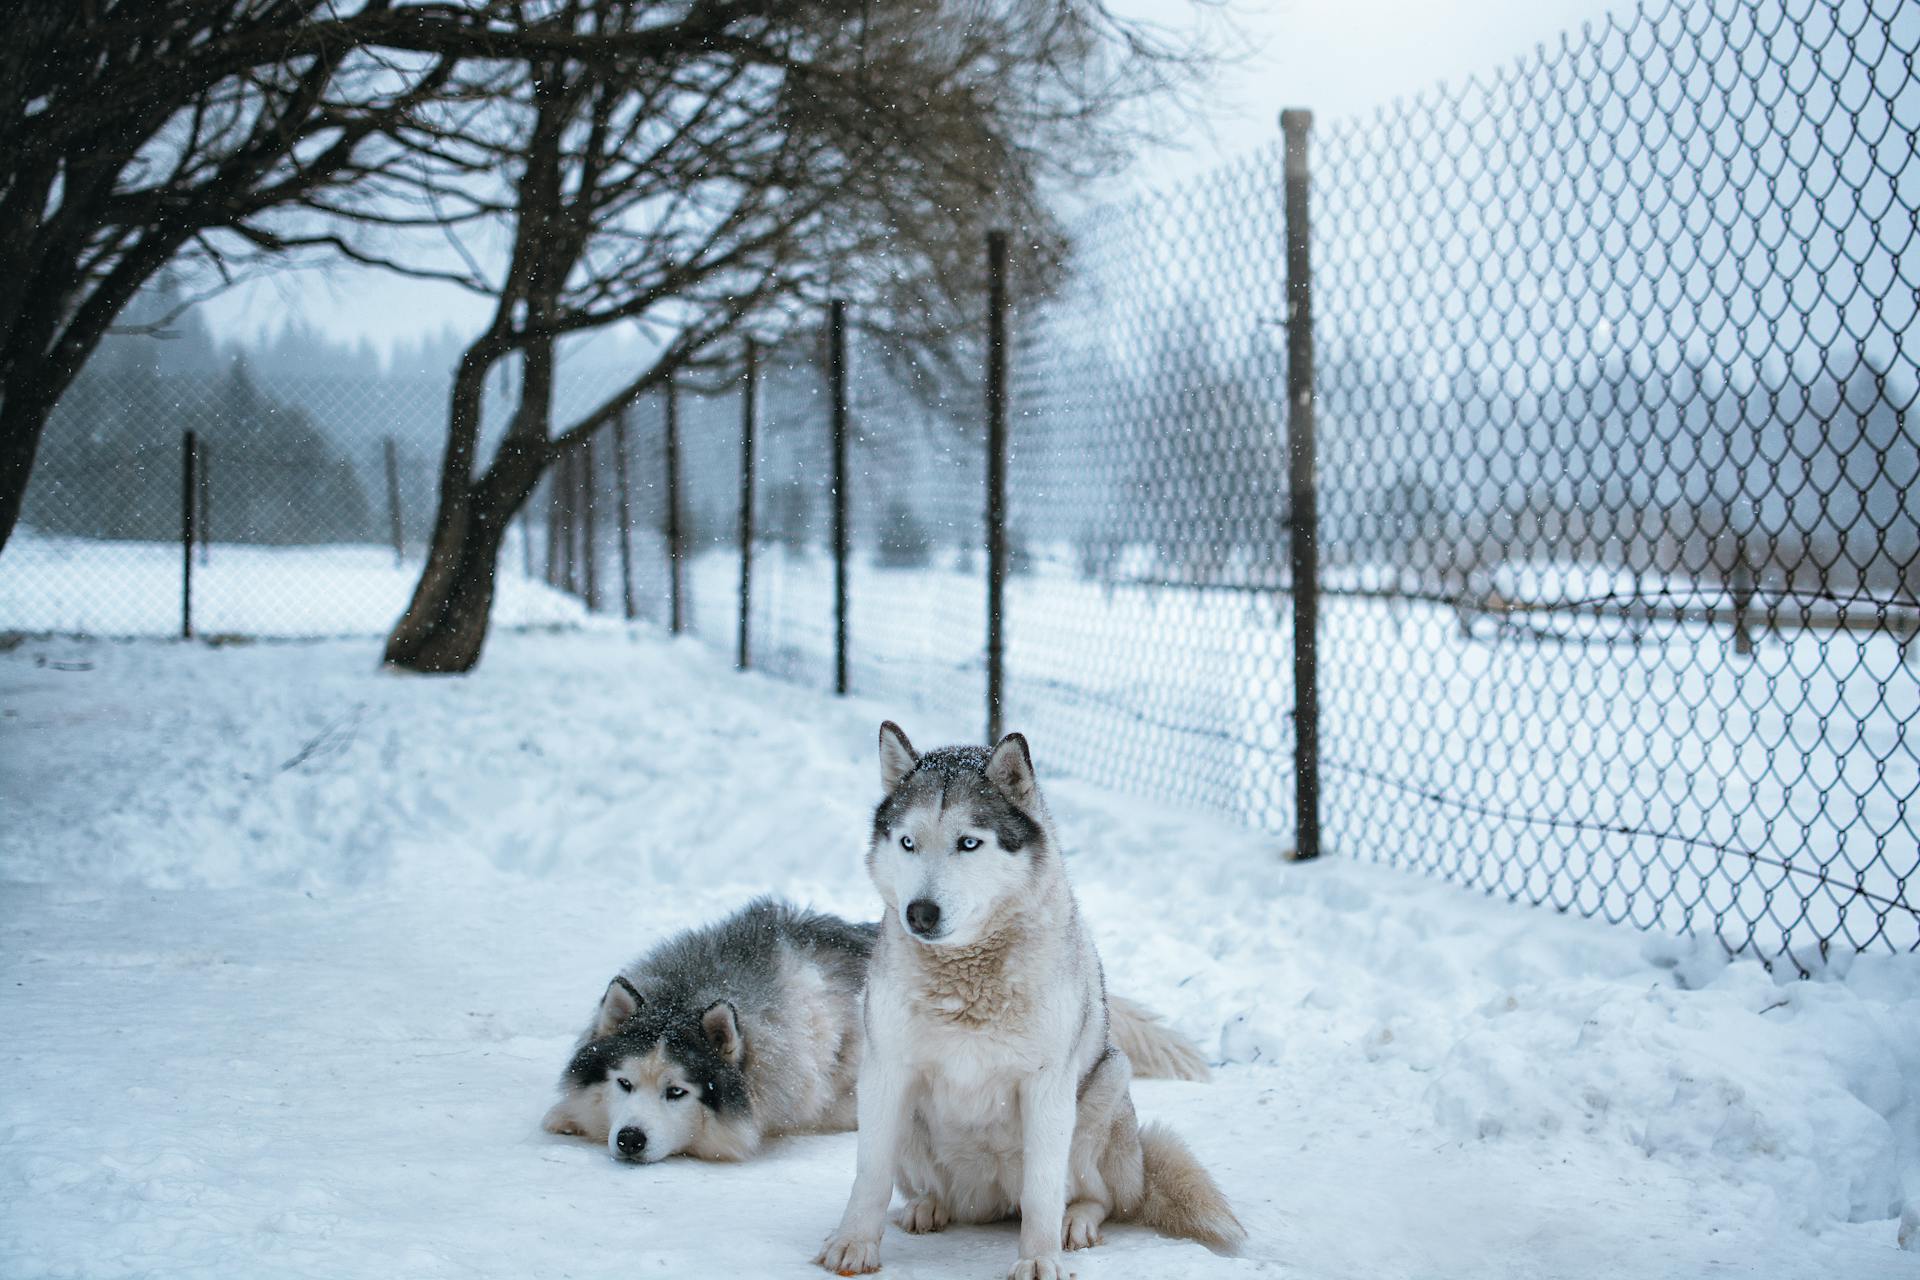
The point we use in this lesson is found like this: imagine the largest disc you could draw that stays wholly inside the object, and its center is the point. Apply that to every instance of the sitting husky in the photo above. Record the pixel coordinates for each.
(744, 1030)
(992, 1083)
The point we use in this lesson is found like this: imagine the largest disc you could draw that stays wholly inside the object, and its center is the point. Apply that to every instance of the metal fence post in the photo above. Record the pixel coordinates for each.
(625, 514)
(996, 474)
(188, 493)
(749, 391)
(589, 557)
(393, 500)
(1303, 513)
(837, 381)
(676, 611)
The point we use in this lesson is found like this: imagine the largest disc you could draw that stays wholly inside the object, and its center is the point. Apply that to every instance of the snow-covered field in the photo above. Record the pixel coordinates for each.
(295, 948)
(1632, 768)
(87, 586)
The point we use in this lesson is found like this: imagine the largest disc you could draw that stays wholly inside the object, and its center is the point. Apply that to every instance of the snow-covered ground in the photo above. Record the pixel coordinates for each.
(294, 950)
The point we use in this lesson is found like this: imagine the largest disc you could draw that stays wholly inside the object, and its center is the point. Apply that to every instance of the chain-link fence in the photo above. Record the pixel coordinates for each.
(1617, 378)
(1606, 566)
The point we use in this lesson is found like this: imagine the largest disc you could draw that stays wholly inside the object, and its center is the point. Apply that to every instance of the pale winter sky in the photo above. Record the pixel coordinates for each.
(1339, 57)
(1336, 56)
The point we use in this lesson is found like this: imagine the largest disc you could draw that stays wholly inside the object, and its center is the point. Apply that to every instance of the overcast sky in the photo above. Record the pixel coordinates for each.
(1336, 56)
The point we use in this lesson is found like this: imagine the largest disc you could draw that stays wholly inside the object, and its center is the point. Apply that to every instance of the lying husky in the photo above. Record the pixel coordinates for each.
(993, 1082)
(746, 1029)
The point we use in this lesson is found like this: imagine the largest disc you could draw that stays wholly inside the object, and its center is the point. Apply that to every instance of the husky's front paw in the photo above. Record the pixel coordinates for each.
(849, 1255)
(1049, 1268)
(922, 1215)
(1083, 1224)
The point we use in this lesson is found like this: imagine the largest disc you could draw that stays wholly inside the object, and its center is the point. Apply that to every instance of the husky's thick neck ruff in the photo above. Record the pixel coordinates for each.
(969, 985)
(974, 985)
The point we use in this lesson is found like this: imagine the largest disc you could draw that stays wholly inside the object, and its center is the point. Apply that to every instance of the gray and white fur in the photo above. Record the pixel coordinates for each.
(727, 1035)
(722, 1037)
(992, 1082)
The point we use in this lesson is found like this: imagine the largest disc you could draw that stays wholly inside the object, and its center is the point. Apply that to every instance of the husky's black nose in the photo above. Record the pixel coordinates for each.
(632, 1142)
(923, 916)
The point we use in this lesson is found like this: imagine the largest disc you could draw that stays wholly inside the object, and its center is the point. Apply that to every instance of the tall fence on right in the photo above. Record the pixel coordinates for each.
(1618, 536)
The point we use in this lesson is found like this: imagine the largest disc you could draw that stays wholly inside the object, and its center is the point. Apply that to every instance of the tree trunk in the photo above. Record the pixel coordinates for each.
(23, 418)
(445, 627)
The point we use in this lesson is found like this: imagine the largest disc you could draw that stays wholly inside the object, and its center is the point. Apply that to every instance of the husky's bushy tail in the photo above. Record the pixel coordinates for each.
(1181, 1198)
(1155, 1050)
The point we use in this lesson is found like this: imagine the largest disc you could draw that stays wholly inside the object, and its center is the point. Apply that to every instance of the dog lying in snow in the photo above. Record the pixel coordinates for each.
(747, 1029)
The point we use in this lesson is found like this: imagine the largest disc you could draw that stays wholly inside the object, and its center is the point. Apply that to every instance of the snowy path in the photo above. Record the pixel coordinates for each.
(293, 951)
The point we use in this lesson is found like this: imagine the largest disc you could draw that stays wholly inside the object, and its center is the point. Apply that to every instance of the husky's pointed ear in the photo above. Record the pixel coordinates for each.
(621, 1002)
(897, 756)
(1010, 768)
(721, 1025)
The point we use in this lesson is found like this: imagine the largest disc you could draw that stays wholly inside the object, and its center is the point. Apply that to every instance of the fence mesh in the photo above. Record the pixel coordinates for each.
(916, 481)
(791, 631)
(1618, 554)
(1148, 629)
(1616, 378)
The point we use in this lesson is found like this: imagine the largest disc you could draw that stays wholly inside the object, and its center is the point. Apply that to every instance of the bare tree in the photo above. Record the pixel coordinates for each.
(133, 132)
(795, 151)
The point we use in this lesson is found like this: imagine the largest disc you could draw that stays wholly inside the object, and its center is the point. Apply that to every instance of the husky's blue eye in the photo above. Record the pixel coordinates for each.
(906, 842)
(626, 1085)
(675, 1093)
(968, 844)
